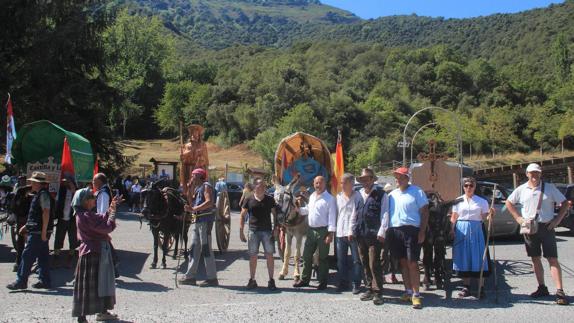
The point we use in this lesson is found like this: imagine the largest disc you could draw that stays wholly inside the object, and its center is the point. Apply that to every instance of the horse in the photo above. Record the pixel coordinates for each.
(17, 207)
(163, 207)
(292, 223)
(436, 238)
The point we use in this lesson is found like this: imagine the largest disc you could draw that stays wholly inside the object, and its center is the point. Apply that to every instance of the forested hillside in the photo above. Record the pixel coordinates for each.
(119, 69)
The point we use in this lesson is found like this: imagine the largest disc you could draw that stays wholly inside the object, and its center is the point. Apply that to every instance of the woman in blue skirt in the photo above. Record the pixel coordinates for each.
(469, 239)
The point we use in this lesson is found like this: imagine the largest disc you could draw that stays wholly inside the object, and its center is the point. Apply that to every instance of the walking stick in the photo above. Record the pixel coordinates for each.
(183, 220)
(480, 281)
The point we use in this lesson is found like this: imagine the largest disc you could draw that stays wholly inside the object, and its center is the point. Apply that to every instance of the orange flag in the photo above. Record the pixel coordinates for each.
(96, 166)
(67, 166)
(339, 166)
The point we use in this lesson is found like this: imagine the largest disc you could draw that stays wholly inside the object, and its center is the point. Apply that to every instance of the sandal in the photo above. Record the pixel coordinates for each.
(465, 292)
(561, 298)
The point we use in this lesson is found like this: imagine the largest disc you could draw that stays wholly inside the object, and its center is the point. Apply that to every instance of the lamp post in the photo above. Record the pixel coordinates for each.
(454, 119)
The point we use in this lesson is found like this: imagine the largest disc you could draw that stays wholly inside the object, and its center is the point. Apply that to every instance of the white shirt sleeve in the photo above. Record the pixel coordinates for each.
(304, 210)
(384, 216)
(514, 196)
(484, 207)
(332, 215)
(554, 194)
(103, 203)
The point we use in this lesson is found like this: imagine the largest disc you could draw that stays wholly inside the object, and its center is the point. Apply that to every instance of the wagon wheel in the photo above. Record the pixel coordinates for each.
(161, 237)
(223, 222)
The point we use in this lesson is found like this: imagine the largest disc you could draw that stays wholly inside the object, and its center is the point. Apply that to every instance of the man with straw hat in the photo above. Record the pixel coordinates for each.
(38, 227)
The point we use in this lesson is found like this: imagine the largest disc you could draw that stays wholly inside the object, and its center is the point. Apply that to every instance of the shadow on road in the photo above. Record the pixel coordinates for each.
(142, 286)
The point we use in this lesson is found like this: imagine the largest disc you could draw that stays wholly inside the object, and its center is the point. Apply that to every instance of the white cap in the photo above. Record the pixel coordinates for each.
(533, 168)
(388, 187)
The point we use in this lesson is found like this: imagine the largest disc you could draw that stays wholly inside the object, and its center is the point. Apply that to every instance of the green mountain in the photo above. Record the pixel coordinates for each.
(218, 24)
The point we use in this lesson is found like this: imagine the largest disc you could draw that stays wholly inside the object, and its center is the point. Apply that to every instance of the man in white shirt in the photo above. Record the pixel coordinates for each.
(322, 216)
(529, 196)
(348, 200)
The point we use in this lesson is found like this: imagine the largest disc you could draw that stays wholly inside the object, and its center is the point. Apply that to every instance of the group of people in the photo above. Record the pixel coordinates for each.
(367, 222)
(372, 222)
(87, 217)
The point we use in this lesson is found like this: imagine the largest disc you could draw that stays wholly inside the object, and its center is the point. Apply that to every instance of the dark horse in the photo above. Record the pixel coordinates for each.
(17, 207)
(436, 238)
(163, 208)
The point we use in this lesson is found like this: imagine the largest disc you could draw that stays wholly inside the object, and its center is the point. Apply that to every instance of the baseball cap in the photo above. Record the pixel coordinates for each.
(533, 168)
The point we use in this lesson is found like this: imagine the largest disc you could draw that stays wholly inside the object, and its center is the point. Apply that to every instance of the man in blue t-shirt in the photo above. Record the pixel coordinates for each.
(407, 220)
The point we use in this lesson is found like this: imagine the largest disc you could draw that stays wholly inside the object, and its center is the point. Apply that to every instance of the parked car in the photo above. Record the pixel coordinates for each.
(234, 190)
(504, 224)
(568, 191)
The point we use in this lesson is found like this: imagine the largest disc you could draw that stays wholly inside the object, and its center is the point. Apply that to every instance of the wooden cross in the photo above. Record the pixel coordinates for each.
(432, 156)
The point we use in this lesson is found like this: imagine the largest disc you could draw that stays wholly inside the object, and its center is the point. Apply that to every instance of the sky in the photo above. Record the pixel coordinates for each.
(436, 8)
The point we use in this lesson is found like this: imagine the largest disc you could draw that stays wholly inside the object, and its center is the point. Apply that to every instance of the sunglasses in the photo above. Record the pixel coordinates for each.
(468, 185)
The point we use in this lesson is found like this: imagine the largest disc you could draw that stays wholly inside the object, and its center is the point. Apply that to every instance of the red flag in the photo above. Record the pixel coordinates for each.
(96, 166)
(339, 166)
(67, 167)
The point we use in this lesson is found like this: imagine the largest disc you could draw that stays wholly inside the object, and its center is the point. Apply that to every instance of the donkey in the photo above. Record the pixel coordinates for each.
(163, 209)
(434, 246)
(291, 222)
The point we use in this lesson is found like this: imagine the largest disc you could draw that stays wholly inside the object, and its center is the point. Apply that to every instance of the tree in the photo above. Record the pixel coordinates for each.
(137, 52)
(561, 57)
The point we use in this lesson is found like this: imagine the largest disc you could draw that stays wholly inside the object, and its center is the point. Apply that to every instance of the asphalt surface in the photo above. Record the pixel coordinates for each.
(150, 295)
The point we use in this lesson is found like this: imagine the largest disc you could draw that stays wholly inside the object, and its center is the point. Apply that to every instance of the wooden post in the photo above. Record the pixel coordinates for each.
(226, 171)
(515, 179)
(570, 175)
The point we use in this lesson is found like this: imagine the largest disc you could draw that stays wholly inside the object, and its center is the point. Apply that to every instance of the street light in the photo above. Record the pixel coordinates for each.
(454, 119)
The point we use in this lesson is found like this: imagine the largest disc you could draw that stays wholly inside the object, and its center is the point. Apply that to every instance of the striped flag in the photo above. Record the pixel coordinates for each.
(10, 131)
(338, 166)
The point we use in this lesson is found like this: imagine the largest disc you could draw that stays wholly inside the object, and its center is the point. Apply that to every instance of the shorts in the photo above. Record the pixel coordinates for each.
(403, 242)
(543, 242)
(257, 237)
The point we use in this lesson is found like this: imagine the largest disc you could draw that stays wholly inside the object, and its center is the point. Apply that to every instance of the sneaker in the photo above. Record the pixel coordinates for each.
(561, 298)
(301, 283)
(16, 286)
(322, 286)
(417, 302)
(378, 299)
(271, 285)
(41, 285)
(356, 289)
(210, 283)
(343, 286)
(367, 296)
(188, 281)
(107, 316)
(252, 284)
(406, 297)
(540, 292)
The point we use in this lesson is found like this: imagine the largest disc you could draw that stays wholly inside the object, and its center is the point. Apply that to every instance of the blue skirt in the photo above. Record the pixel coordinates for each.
(468, 249)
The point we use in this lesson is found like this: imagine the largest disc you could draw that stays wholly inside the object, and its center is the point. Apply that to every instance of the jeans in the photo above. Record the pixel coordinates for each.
(343, 246)
(201, 245)
(316, 240)
(35, 249)
(260, 237)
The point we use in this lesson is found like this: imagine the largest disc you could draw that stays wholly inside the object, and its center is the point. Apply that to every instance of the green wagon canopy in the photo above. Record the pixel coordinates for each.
(39, 147)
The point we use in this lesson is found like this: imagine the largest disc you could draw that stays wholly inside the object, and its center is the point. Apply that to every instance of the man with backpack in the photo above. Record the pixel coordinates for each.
(367, 227)
(39, 226)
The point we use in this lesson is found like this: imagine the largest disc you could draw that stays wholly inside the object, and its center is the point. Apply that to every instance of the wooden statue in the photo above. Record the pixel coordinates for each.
(193, 155)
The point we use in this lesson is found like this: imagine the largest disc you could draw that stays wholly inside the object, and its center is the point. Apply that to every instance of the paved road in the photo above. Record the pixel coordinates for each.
(149, 295)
